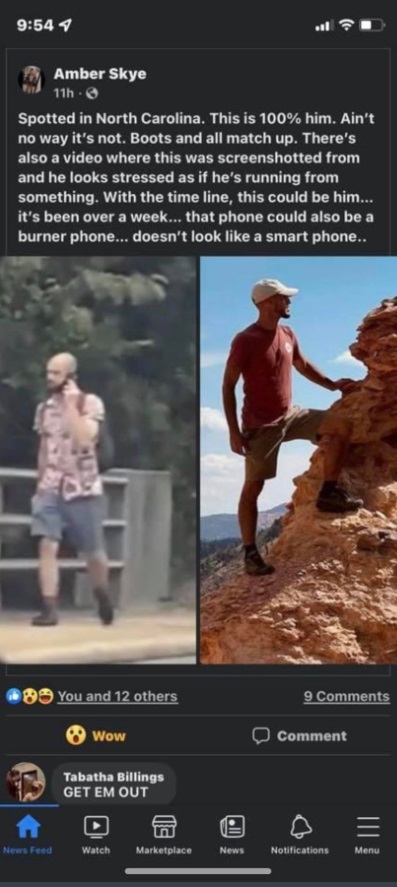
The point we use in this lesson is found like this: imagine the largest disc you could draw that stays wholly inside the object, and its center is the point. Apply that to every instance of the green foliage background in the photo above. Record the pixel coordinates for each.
(131, 323)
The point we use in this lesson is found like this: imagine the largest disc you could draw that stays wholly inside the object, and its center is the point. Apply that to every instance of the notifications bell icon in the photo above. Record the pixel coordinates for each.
(300, 827)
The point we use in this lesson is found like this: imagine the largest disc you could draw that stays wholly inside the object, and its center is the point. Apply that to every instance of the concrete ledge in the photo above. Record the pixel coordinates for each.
(81, 639)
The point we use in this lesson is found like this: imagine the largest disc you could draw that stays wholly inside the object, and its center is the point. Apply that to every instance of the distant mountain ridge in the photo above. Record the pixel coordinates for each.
(225, 526)
(221, 558)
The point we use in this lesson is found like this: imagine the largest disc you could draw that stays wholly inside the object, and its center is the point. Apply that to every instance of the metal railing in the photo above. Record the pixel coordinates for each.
(137, 532)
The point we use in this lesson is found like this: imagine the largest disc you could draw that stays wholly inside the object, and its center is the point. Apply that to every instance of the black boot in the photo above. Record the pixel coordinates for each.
(105, 608)
(254, 565)
(49, 612)
(334, 498)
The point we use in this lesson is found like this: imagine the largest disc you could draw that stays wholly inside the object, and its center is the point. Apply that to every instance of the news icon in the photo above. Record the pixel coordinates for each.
(232, 826)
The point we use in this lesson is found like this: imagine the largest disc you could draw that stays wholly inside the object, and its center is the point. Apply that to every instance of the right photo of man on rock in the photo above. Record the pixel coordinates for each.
(298, 460)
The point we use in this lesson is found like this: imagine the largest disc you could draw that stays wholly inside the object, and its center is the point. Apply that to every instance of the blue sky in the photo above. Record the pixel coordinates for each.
(334, 295)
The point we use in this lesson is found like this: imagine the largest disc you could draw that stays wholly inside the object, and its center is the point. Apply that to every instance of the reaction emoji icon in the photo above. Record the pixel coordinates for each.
(76, 734)
(45, 696)
(13, 696)
(29, 696)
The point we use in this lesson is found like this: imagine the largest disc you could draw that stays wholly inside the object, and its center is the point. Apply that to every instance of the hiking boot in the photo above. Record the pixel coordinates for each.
(48, 615)
(337, 500)
(254, 565)
(105, 608)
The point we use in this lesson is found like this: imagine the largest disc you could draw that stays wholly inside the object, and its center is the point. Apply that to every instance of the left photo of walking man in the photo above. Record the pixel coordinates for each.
(69, 495)
(97, 460)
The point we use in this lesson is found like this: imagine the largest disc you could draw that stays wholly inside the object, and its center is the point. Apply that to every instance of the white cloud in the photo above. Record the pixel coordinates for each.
(212, 359)
(222, 477)
(346, 357)
(221, 481)
(212, 419)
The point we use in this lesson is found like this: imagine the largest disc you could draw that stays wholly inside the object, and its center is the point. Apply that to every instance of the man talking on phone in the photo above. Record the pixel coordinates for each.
(69, 494)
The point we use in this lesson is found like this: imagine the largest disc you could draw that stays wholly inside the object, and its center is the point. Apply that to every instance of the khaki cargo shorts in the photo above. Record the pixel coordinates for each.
(263, 444)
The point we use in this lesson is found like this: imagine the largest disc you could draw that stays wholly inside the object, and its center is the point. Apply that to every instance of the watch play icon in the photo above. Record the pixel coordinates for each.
(96, 826)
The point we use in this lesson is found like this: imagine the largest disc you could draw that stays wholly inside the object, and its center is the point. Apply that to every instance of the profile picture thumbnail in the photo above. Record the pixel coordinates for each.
(31, 79)
(25, 782)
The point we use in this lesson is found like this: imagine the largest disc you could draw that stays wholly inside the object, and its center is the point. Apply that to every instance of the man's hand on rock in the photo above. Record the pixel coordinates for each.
(346, 386)
(237, 443)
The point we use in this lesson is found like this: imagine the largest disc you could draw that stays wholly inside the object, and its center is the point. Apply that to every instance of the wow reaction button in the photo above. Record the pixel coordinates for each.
(75, 734)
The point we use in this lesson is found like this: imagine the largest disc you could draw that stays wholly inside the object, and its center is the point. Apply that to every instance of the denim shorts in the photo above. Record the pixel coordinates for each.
(80, 520)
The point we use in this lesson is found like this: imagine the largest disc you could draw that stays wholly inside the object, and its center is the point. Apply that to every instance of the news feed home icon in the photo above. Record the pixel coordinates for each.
(164, 826)
(28, 827)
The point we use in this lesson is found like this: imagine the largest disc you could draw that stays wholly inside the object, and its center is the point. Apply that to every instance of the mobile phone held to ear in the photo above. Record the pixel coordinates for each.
(70, 377)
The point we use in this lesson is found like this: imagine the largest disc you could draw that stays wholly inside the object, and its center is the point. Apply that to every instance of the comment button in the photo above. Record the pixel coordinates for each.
(260, 734)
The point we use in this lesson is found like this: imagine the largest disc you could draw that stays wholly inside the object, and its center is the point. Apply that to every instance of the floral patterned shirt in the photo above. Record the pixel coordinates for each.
(64, 467)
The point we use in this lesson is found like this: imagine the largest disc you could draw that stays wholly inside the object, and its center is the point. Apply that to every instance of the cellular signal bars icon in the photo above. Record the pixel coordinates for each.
(326, 26)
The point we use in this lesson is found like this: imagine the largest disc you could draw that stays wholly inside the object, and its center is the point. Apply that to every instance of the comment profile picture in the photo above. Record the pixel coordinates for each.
(31, 79)
(25, 782)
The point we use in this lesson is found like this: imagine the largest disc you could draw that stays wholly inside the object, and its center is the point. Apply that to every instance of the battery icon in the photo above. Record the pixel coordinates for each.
(371, 24)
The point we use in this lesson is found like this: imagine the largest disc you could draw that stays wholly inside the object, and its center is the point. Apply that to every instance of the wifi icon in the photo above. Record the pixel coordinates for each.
(346, 23)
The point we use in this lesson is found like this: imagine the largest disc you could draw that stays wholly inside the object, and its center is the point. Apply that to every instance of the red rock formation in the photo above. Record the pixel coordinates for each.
(333, 597)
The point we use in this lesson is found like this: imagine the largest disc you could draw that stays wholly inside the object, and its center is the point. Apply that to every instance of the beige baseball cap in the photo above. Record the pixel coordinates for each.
(266, 288)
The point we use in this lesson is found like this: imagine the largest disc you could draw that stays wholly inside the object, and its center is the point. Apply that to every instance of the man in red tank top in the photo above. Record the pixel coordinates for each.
(264, 355)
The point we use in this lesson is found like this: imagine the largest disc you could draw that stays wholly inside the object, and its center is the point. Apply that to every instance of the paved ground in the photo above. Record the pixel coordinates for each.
(181, 660)
(168, 634)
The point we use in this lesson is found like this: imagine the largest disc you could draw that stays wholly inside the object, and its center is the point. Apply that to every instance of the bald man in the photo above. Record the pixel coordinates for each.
(69, 494)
